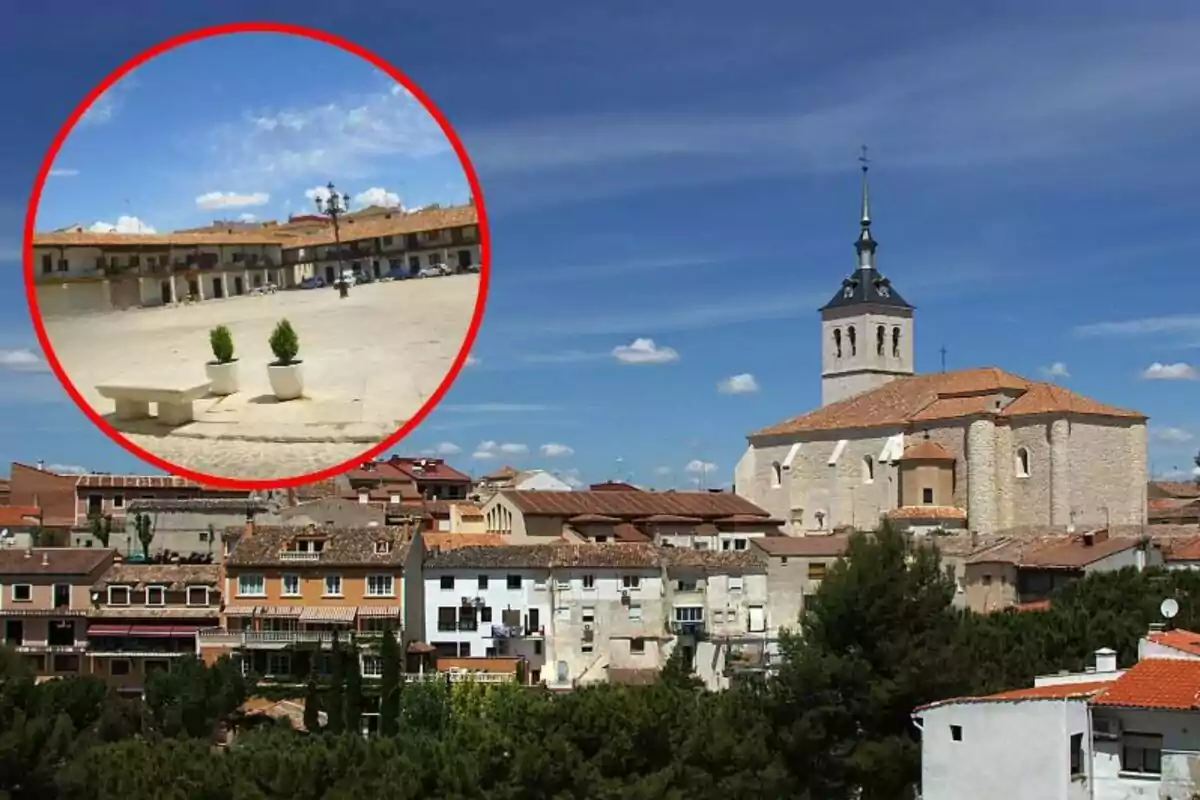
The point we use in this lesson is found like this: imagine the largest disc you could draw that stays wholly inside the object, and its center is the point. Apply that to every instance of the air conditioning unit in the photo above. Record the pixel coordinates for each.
(625, 598)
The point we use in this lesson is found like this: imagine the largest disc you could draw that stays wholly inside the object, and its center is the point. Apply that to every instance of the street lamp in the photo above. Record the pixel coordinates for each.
(336, 205)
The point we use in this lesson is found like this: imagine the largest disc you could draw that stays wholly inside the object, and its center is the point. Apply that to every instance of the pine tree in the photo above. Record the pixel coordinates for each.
(352, 701)
(334, 719)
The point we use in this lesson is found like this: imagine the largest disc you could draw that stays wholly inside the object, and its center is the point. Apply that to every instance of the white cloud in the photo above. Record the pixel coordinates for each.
(1056, 370)
(103, 108)
(1171, 372)
(68, 469)
(663, 471)
(483, 455)
(512, 449)
(377, 196)
(211, 200)
(63, 173)
(344, 136)
(644, 351)
(490, 448)
(447, 449)
(698, 467)
(572, 478)
(124, 224)
(472, 361)
(22, 360)
(1171, 435)
(1148, 326)
(555, 450)
(738, 384)
(318, 193)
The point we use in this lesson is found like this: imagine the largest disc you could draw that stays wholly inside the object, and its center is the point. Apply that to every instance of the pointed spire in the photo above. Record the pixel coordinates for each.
(865, 245)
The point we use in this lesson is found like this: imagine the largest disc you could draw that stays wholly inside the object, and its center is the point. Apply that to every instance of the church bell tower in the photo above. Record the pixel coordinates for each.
(867, 328)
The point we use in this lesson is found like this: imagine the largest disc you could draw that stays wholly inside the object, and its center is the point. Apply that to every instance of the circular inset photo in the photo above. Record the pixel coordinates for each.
(256, 255)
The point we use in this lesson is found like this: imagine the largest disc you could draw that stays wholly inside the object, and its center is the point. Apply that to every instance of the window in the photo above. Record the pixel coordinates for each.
(735, 583)
(372, 667)
(251, 585)
(868, 470)
(758, 619)
(880, 340)
(689, 614)
(632, 582)
(987, 580)
(776, 475)
(1076, 754)
(447, 583)
(837, 342)
(22, 592)
(95, 504)
(956, 732)
(1022, 462)
(156, 596)
(118, 595)
(895, 342)
(685, 586)
(589, 581)
(1141, 753)
(740, 544)
(47, 264)
(447, 618)
(197, 595)
(118, 666)
(64, 265)
(637, 645)
(279, 663)
(380, 586)
(589, 615)
(562, 585)
(485, 614)
(464, 649)
(816, 570)
(383, 548)
(513, 581)
(290, 585)
(65, 663)
(483, 582)
(927, 496)
(635, 613)
(333, 585)
(852, 337)
(118, 501)
(539, 584)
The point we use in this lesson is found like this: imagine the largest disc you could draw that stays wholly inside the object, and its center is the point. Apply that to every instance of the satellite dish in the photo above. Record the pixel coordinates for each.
(4, 534)
(1169, 608)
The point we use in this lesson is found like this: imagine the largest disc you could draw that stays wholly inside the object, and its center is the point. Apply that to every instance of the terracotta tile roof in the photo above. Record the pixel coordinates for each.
(1056, 691)
(316, 490)
(746, 519)
(803, 546)
(425, 470)
(174, 576)
(1184, 549)
(945, 396)
(666, 519)
(1160, 683)
(624, 532)
(450, 541)
(593, 519)
(1054, 552)
(229, 505)
(391, 224)
(505, 473)
(926, 450)
(54, 560)
(343, 546)
(613, 486)
(1185, 490)
(468, 510)
(711, 560)
(1173, 510)
(632, 505)
(1184, 641)
(19, 516)
(546, 556)
(81, 237)
(926, 512)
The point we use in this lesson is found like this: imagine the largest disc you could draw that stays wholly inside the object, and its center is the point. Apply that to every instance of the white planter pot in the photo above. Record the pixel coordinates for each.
(286, 382)
(223, 377)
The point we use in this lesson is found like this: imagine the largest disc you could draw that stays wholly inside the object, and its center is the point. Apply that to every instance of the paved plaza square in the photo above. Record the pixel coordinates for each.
(370, 361)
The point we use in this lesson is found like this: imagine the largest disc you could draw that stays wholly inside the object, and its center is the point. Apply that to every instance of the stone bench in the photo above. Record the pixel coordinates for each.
(175, 405)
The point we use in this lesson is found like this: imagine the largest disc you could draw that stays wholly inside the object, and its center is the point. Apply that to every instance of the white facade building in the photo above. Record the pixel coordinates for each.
(1107, 733)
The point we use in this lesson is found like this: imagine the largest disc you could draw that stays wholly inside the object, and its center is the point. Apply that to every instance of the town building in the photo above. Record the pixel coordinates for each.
(45, 597)
(288, 591)
(1018, 452)
(186, 527)
(795, 567)
(20, 526)
(720, 520)
(1107, 733)
(1173, 502)
(1020, 571)
(573, 613)
(145, 616)
(529, 480)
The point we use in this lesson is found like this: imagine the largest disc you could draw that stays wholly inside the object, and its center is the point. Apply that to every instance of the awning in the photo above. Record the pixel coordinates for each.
(150, 631)
(184, 631)
(379, 611)
(241, 611)
(286, 612)
(329, 614)
(108, 630)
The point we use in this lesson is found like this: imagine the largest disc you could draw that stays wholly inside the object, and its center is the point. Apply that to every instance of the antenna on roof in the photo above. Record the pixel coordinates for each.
(943, 354)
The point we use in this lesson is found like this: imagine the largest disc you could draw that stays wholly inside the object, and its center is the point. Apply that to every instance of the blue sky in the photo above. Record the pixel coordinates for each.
(685, 173)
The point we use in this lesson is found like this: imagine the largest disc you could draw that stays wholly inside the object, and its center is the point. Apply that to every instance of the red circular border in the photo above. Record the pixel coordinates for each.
(257, 27)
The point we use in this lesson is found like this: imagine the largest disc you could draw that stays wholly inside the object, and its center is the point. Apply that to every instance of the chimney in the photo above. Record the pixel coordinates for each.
(1100, 536)
(1106, 660)
(249, 527)
(1089, 539)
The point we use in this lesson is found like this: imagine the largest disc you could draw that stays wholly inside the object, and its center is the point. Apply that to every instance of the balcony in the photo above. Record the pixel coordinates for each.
(461, 677)
(265, 639)
(517, 632)
(299, 555)
(46, 647)
(693, 628)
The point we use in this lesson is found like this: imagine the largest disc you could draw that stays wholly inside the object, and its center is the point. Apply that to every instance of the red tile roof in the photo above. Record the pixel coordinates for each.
(1055, 551)
(946, 396)
(1162, 683)
(1057, 691)
(1177, 489)
(17, 516)
(926, 450)
(632, 505)
(1183, 641)
(926, 512)
(425, 470)
(1187, 549)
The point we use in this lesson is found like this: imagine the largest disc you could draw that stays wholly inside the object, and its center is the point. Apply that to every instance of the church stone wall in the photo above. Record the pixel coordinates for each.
(981, 476)
(1029, 498)
(1107, 469)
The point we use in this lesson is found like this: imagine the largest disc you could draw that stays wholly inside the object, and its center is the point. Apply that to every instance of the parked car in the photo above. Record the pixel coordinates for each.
(469, 268)
(348, 278)
(434, 271)
(399, 273)
(313, 282)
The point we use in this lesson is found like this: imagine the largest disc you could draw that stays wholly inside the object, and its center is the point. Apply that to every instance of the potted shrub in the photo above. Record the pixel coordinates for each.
(223, 369)
(287, 381)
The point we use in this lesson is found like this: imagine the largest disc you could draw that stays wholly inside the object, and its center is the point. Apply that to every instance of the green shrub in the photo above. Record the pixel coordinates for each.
(284, 343)
(222, 344)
